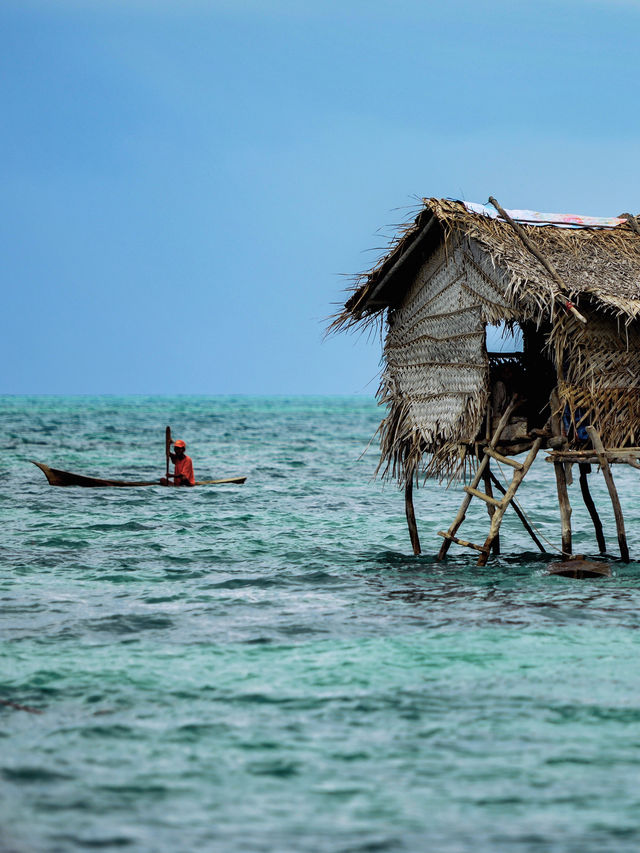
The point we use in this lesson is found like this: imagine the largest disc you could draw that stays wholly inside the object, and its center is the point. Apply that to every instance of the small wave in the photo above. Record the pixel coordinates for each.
(130, 623)
(193, 732)
(318, 577)
(126, 525)
(33, 774)
(84, 843)
(242, 583)
(296, 703)
(161, 599)
(278, 768)
(64, 542)
(135, 790)
(183, 574)
(116, 730)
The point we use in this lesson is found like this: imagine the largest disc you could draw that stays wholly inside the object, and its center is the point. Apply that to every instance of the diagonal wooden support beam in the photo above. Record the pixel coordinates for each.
(504, 420)
(518, 477)
(585, 469)
(520, 514)
(594, 435)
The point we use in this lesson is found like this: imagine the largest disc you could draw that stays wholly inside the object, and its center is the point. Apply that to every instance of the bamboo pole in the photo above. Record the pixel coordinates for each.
(167, 448)
(545, 263)
(590, 505)
(411, 516)
(565, 506)
(613, 492)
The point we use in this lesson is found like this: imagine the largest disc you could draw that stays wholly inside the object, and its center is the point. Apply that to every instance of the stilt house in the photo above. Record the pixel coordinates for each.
(569, 286)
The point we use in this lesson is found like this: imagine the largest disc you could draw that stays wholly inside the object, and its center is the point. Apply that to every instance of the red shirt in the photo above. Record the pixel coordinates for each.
(184, 467)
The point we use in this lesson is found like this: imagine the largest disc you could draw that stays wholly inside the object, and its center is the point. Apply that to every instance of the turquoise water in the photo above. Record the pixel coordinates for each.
(266, 667)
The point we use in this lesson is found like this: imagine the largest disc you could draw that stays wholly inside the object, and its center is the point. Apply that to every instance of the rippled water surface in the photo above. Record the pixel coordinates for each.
(266, 667)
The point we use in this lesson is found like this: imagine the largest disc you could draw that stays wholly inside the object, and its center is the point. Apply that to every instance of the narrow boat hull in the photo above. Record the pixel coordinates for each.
(56, 477)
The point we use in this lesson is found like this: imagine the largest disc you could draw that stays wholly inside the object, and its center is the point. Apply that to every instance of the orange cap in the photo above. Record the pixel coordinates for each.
(179, 443)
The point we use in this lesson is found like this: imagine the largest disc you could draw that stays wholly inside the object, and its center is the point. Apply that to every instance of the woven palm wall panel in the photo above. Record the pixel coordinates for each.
(435, 379)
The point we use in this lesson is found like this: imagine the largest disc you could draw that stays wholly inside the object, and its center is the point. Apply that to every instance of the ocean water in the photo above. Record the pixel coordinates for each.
(266, 667)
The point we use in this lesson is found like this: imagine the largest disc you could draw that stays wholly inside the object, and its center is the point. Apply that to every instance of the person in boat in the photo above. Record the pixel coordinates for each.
(183, 472)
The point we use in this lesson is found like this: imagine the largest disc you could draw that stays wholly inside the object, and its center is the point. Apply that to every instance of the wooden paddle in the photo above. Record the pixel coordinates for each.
(167, 441)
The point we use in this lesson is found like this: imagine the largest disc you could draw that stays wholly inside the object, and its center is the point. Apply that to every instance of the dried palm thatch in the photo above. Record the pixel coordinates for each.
(453, 271)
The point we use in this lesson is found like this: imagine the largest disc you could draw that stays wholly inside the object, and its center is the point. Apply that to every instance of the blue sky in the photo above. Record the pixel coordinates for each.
(184, 184)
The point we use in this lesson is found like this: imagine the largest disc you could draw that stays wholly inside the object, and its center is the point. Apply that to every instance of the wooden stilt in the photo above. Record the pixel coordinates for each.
(446, 544)
(565, 506)
(519, 513)
(491, 507)
(613, 492)
(518, 477)
(411, 516)
(588, 502)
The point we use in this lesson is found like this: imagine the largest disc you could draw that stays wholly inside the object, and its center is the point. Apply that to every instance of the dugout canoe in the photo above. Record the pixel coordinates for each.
(66, 478)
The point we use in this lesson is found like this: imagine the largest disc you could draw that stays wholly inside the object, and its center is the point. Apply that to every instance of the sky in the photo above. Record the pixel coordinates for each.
(186, 187)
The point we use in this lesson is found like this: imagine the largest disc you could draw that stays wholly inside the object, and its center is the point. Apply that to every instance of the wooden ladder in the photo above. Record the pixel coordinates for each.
(499, 506)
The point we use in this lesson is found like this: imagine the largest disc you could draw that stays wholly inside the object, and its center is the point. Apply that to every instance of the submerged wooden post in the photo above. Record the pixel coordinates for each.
(565, 506)
(411, 516)
(594, 435)
(588, 502)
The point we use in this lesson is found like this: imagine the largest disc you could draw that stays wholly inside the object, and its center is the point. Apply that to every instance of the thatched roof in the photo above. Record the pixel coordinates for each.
(598, 261)
(435, 382)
